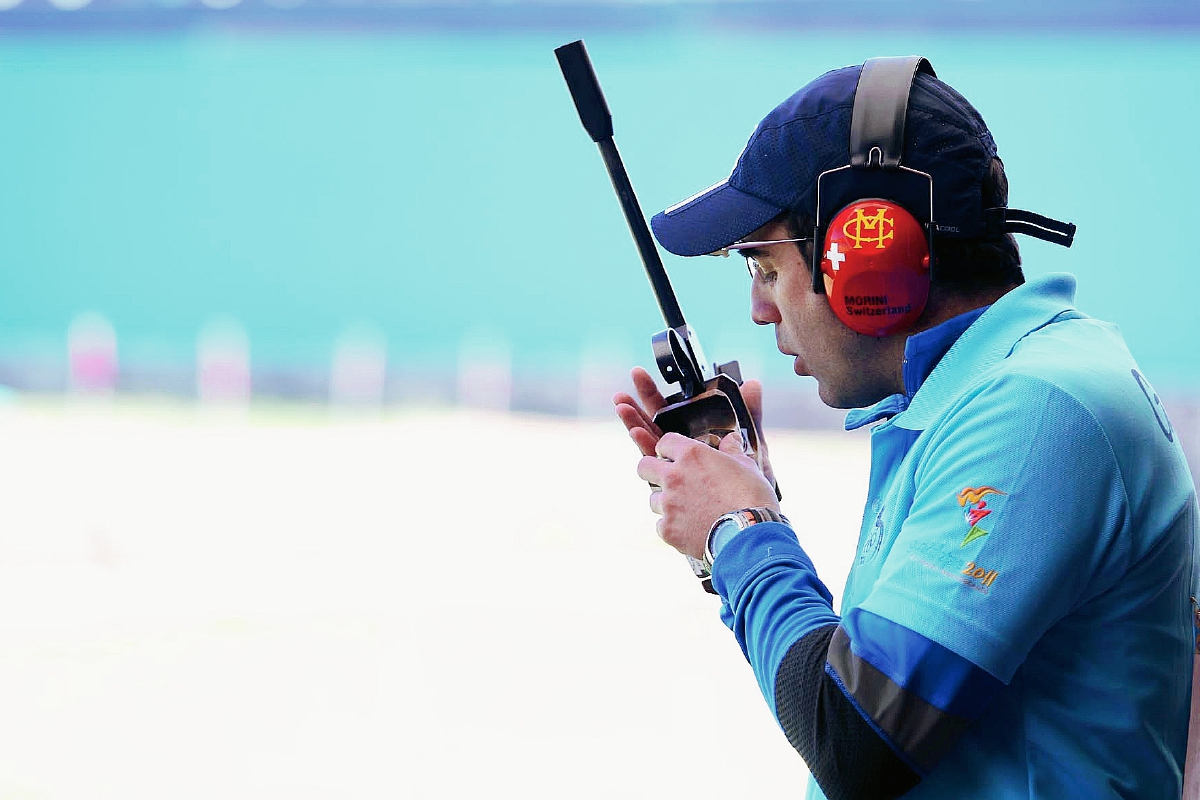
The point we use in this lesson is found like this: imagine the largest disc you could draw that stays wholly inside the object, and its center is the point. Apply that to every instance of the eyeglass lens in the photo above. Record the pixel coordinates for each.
(752, 266)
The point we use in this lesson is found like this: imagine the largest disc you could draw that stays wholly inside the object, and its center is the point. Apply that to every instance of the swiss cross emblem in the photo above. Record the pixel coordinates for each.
(835, 256)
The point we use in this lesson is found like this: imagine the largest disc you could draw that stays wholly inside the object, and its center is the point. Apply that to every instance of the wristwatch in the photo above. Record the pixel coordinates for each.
(727, 525)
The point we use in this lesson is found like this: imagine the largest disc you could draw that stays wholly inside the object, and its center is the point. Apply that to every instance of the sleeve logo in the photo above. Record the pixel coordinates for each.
(1156, 405)
(971, 498)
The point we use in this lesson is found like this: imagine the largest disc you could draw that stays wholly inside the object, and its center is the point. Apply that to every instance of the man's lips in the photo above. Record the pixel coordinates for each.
(799, 366)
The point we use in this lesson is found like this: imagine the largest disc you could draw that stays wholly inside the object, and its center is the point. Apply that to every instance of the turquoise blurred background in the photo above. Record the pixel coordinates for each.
(434, 187)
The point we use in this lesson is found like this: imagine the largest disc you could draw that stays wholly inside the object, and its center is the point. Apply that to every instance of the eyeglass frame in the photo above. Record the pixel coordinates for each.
(751, 262)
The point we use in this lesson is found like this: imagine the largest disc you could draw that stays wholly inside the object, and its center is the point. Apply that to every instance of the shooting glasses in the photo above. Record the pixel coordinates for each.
(751, 261)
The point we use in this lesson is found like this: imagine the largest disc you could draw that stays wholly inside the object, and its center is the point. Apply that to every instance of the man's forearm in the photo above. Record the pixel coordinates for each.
(782, 616)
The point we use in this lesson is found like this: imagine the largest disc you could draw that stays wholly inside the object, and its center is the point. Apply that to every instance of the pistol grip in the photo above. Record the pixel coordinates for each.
(712, 415)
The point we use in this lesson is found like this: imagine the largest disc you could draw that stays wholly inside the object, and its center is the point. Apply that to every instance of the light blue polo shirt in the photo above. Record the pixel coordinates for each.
(1031, 512)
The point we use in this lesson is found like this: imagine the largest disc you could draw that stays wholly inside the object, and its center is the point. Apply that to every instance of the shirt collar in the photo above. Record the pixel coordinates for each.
(940, 360)
(989, 341)
(922, 351)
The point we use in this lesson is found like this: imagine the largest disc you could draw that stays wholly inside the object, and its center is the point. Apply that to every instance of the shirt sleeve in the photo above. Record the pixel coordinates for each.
(869, 705)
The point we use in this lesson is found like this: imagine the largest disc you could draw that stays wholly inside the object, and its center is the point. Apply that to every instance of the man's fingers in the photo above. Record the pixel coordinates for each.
(644, 440)
(643, 432)
(673, 445)
(752, 394)
(631, 413)
(638, 415)
(732, 444)
(647, 390)
(653, 470)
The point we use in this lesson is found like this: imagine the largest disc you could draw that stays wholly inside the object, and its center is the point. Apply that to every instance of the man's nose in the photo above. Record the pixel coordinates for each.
(762, 308)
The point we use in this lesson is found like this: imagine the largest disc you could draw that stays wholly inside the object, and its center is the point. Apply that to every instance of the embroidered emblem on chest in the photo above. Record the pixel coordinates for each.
(870, 547)
(971, 498)
(985, 576)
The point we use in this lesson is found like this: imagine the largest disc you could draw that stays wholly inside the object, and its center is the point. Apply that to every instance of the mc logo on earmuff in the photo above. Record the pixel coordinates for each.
(877, 228)
(875, 260)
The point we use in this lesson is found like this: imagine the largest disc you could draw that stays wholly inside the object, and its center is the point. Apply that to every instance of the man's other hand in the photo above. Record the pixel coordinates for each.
(638, 415)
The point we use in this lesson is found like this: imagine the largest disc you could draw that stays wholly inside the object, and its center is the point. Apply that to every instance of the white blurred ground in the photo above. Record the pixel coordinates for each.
(427, 604)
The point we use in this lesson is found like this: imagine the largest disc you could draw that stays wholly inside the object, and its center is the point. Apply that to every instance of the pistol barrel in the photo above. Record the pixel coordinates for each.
(597, 121)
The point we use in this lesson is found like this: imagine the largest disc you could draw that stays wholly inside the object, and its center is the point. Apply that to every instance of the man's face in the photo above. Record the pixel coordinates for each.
(852, 370)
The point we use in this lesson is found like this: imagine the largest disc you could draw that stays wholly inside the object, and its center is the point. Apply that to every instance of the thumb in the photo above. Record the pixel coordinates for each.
(752, 392)
(732, 444)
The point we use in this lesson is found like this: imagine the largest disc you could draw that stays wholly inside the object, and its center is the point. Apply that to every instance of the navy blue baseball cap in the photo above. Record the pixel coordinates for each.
(808, 134)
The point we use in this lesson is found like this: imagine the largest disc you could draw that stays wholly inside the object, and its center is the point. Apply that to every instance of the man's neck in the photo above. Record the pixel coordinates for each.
(945, 305)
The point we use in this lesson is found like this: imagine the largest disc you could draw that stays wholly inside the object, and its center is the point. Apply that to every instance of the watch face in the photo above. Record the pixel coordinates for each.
(725, 528)
(733, 522)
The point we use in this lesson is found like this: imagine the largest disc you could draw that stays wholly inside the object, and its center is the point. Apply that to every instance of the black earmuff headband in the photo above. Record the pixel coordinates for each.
(881, 109)
(876, 147)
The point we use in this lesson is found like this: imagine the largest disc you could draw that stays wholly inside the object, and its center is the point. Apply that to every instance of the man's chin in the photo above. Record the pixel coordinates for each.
(839, 397)
(830, 399)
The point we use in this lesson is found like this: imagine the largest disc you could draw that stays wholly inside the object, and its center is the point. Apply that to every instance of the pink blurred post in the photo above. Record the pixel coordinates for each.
(485, 371)
(92, 365)
(603, 371)
(223, 363)
(358, 374)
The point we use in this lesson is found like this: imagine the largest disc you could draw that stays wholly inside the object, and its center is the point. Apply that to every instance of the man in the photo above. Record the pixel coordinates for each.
(1017, 621)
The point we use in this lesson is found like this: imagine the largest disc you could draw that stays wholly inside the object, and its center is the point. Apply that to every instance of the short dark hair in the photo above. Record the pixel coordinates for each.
(962, 265)
(967, 264)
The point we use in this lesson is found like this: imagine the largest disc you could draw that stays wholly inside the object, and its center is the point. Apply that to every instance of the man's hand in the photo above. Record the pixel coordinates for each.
(638, 415)
(695, 484)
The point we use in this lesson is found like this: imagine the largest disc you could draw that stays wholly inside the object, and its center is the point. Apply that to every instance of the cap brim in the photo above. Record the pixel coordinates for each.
(711, 220)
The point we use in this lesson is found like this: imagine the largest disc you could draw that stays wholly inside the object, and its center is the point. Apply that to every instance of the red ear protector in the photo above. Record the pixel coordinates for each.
(875, 266)
(876, 258)
(875, 216)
